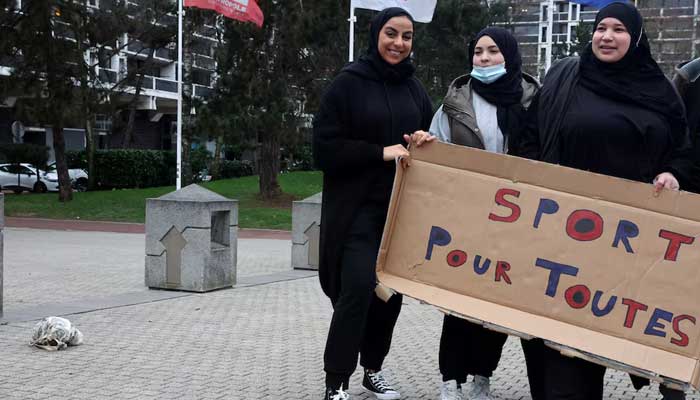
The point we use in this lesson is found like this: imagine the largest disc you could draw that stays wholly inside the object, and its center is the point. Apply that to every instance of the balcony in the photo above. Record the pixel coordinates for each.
(135, 47)
(201, 92)
(107, 75)
(166, 54)
(203, 62)
(166, 85)
(154, 83)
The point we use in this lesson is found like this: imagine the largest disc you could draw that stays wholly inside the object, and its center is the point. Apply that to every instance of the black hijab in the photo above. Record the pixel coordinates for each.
(507, 90)
(636, 78)
(388, 72)
(506, 93)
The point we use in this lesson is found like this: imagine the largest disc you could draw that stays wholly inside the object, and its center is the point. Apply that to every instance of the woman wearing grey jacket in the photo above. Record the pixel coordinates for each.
(484, 109)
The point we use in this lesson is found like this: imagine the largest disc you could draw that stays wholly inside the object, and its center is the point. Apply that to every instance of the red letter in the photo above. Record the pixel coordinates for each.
(584, 225)
(456, 258)
(674, 244)
(501, 268)
(501, 201)
(577, 296)
(632, 308)
(683, 341)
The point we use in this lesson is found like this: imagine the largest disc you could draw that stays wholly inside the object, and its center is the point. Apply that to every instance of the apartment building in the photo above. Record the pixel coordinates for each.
(156, 105)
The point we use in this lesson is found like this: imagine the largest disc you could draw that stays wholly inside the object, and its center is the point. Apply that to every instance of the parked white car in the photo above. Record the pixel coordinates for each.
(78, 177)
(21, 177)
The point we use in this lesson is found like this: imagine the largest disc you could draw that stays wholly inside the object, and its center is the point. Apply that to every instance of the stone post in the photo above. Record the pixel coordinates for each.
(306, 229)
(191, 240)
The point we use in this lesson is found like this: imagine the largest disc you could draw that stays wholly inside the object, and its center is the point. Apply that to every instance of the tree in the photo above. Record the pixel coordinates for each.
(57, 49)
(97, 33)
(45, 60)
(259, 81)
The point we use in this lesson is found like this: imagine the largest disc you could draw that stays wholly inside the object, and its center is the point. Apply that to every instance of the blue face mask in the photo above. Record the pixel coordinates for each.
(490, 74)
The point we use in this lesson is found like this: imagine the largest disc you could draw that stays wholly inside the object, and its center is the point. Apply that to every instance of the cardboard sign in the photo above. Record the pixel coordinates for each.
(588, 261)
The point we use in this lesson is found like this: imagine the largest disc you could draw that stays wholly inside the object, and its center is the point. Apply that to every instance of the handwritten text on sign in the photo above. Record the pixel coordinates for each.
(581, 225)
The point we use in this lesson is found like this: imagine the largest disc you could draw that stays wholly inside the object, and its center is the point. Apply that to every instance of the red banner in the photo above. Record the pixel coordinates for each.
(242, 10)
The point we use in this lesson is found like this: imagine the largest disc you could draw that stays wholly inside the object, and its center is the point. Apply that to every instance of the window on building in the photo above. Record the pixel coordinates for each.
(142, 67)
(103, 123)
(545, 13)
(201, 77)
(94, 3)
(524, 30)
(544, 33)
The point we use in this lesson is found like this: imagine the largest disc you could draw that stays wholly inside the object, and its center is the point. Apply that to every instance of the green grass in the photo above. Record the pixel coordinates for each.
(128, 205)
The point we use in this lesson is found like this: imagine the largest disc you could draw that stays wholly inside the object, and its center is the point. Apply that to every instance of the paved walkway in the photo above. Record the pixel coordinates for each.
(263, 339)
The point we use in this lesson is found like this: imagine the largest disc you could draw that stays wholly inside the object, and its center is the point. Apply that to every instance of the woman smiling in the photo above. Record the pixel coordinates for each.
(366, 114)
(611, 112)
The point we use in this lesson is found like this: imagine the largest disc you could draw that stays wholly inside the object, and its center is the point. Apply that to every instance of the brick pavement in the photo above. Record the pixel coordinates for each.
(254, 342)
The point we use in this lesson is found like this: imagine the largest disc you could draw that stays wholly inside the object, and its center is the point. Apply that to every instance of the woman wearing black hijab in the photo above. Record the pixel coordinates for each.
(611, 112)
(484, 109)
(364, 117)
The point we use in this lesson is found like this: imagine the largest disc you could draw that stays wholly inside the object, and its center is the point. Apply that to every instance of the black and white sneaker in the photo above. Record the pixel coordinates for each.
(375, 383)
(332, 394)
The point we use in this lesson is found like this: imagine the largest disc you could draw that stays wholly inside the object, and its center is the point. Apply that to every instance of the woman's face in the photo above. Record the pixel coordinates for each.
(487, 53)
(396, 40)
(611, 41)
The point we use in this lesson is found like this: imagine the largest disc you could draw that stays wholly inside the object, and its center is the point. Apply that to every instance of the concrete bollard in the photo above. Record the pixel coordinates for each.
(306, 230)
(191, 240)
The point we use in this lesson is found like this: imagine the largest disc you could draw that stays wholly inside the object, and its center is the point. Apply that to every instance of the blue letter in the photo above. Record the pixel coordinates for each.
(481, 269)
(438, 236)
(625, 230)
(546, 206)
(556, 270)
(654, 322)
(608, 307)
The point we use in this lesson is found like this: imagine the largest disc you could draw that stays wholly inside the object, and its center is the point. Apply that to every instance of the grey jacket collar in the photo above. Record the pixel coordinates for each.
(459, 95)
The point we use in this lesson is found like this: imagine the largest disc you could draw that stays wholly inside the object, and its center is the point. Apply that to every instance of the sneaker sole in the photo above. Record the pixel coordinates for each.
(382, 396)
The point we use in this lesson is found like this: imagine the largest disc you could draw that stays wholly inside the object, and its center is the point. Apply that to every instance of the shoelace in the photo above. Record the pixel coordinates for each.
(340, 395)
(378, 381)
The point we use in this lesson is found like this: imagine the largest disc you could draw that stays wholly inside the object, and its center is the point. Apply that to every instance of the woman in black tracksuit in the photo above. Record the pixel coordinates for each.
(358, 134)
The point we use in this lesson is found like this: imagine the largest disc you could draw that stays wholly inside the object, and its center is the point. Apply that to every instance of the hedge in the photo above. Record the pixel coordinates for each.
(130, 168)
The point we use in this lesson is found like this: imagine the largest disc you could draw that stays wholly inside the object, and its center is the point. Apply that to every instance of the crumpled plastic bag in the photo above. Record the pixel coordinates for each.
(55, 333)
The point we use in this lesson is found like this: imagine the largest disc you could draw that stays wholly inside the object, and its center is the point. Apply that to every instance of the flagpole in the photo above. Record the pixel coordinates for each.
(550, 27)
(178, 170)
(351, 42)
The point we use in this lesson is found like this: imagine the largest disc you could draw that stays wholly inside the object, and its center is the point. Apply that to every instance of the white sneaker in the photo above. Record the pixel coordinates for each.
(451, 391)
(336, 394)
(480, 388)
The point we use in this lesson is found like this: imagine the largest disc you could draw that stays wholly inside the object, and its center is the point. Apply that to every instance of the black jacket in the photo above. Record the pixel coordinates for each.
(541, 137)
(688, 85)
(360, 114)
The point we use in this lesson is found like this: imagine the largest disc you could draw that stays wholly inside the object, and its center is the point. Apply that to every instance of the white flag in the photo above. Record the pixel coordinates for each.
(420, 10)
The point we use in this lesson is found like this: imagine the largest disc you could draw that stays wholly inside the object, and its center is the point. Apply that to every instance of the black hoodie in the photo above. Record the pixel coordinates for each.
(360, 114)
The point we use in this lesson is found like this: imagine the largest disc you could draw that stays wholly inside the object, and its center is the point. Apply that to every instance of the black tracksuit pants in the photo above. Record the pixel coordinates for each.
(553, 376)
(362, 324)
(468, 349)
